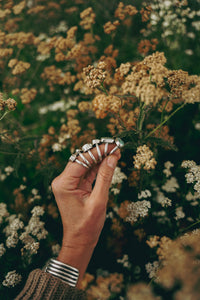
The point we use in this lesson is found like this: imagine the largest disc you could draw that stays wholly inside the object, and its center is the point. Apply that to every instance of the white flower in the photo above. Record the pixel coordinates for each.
(171, 185)
(9, 170)
(196, 25)
(144, 194)
(138, 209)
(34, 192)
(12, 279)
(57, 147)
(188, 164)
(118, 176)
(152, 268)
(124, 261)
(164, 201)
(193, 175)
(2, 177)
(37, 211)
(12, 240)
(55, 249)
(3, 211)
(22, 187)
(42, 57)
(32, 247)
(16, 224)
(168, 165)
(36, 228)
(197, 126)
(61, 105)
(189, 52)
(115, 191)
(35, 195)
(2, 249)
(26, 238)
(191, 35)
(179, 213)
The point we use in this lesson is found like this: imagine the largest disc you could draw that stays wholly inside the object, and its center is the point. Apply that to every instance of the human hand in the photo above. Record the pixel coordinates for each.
(83, 208)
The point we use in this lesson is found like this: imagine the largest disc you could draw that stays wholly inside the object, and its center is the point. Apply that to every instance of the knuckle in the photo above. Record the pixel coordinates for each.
(55, 185)
(105, 175)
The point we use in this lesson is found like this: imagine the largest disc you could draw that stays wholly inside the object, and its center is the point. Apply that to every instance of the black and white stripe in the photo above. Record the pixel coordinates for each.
(63, 271)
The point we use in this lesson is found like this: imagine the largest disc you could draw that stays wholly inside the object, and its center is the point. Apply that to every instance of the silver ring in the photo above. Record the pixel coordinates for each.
(119, 144)
(113, 150)
(96, 142)
(107, 141)
(82, 163)
(92, 156)
(86, 148)
(73, 157)
(78, 152)
(106, 149)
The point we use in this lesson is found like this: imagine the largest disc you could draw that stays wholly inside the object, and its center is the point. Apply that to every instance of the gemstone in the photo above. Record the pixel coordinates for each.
(119, 142)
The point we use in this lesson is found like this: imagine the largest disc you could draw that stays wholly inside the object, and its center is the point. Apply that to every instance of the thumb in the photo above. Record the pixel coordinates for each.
(104, 178)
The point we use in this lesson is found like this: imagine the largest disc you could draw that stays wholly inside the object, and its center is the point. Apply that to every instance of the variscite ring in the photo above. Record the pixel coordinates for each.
(95, 143)
(86, 148)
(78, 152)
(107, 141)
(119, 144)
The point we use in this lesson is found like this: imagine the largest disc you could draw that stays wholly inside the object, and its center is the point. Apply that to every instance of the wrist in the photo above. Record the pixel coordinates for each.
(77, 257)
(64, 272)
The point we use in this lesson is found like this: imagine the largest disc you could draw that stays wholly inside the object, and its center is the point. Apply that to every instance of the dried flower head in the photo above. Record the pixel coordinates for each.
(88, 18)
(12, 279)
(144, 158)
(95, 76)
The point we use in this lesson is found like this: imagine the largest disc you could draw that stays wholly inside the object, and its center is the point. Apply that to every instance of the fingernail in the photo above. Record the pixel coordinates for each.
(112, 161)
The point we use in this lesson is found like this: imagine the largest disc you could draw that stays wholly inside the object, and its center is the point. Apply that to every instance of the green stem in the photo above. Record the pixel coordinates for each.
(141, 117)
(162, 114)
(103, 89)
(163, 122)
(6, 112)
(185, 229)
(126, 96)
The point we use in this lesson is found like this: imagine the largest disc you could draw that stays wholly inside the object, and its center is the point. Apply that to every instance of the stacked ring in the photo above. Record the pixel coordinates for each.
(107, 141)
(78, 152)
(73, 158)
(87, 148)
(95, 143)
(119, 144)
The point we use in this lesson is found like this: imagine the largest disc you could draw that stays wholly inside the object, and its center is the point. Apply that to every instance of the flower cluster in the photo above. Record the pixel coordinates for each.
(117, 179)
(95, 76)
(12, 279)
(193, 176)
(144, 158)
(138, 209)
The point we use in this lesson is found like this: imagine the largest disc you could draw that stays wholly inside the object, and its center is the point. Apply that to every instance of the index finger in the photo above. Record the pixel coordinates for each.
(74, 171)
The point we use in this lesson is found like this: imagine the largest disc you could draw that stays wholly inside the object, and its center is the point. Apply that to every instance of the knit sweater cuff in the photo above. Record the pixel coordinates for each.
(43, 286)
